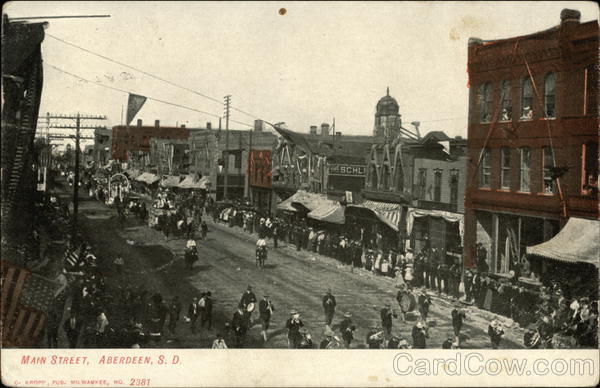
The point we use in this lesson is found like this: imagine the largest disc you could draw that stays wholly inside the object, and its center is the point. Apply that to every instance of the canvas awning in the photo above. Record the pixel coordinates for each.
(190, 182)
(413, 213)
(170, 181)
(577, 242)
(388, 213)
(329, 211)
(303, 198)
(147, 178)
(133, 174)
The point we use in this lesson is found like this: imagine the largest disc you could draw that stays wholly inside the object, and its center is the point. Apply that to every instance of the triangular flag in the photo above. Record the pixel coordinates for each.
(134, 104)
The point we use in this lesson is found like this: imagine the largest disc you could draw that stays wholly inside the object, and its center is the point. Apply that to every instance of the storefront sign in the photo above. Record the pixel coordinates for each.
(347, 170)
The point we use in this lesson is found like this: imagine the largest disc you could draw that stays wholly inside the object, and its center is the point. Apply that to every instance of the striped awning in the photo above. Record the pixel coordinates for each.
(303, 198)
(329, 211)
(190, 182)
(388, 213)
(577, 242)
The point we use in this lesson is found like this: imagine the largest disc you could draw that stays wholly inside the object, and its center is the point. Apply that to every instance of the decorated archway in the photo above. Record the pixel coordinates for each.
(117, 185)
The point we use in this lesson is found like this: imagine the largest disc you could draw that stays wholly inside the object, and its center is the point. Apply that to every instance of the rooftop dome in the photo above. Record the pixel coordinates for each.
(387, 105)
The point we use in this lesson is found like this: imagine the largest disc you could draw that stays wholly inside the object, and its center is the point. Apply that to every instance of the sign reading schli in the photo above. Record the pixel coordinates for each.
(346, 169)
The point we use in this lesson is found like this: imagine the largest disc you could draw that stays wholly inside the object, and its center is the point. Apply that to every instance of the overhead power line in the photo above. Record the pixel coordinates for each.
(148, 97)
(148, 74)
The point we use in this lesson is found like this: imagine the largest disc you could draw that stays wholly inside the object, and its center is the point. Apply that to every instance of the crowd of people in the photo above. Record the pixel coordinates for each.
(546, 315)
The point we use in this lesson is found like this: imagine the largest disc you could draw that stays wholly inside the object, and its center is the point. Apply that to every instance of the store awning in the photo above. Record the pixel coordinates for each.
(388, 213)
(191, 182)
(577, 242)
(170, 181)
(413, 213)
(133, 174)
(329, 211)
(147, 178)
(303, 198)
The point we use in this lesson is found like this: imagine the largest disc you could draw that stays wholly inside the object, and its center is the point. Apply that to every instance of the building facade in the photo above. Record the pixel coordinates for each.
(532, 142)
(137, 138)
(209, 149)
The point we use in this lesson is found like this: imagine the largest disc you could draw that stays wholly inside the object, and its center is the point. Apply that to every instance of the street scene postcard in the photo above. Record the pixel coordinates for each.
(316, 194)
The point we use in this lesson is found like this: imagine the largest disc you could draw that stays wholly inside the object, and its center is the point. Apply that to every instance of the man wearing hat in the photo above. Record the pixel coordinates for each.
(419, 335)
(247, 298)
(329, 304)
(293, 325)
(239, 323)
(458, 315)
(265, 309)
(347, 329)
(386, 319)
(193, 313)
(374, 337)
(495, 332)
(330, 341)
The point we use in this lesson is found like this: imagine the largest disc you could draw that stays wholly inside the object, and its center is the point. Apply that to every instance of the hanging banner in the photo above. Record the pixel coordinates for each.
(134, 104)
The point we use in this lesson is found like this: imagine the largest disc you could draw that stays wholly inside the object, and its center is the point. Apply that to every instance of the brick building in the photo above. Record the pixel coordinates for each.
(137, 138)
(208, 152)
(532, 144)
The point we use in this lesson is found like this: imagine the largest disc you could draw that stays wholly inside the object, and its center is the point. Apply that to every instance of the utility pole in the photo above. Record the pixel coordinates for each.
(226, 161)
(78, 127)
(249, 162)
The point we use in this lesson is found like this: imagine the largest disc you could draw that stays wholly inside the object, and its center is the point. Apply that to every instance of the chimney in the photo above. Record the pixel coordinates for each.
(313, 130)
(258, 125)
(325, 129)
(139, 123)
(208, 125)
(157, 123)
(569, 17)
(338, 136)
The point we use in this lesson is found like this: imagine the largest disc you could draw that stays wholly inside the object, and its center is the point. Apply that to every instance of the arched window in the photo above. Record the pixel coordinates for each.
(486, 102)
(526, 99)
(549, 96)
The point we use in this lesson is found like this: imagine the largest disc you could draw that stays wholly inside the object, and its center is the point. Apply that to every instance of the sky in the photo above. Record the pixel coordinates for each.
(317, 62)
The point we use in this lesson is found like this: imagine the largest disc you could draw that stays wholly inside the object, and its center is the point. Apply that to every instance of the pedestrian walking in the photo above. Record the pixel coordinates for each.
(174, 311)
(239, 323)
(458, 315)
(206, 307)
(72, 328)
(329, 304)
(420, 335)
(386, 320)
(193, 314)
(495, 332)
(203, 229)
(101, 328)
(293, 326)
(265, 310)
(52, 328)
(247, 303)
(347, 329)
(423, 303)
(375, 337)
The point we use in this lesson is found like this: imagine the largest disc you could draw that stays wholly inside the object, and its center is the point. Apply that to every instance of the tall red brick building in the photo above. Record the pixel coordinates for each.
(137, 138)
(532, 143)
